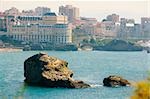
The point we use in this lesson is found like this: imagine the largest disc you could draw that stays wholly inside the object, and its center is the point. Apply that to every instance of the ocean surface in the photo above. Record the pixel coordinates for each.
(89, 66)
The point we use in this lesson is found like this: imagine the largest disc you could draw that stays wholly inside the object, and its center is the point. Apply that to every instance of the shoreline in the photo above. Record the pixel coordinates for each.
(10, 49)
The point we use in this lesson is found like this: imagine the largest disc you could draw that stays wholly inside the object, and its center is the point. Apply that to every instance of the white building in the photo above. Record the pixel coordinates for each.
(50, 28)
(56, 34)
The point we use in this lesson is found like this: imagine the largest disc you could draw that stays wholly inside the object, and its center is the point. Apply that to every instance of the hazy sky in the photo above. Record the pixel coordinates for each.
(98, 9)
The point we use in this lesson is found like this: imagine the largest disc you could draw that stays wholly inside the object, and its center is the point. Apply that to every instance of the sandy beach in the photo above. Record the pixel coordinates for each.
(10, 49)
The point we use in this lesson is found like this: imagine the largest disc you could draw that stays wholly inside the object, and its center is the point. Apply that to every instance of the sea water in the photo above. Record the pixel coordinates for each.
(90, 66)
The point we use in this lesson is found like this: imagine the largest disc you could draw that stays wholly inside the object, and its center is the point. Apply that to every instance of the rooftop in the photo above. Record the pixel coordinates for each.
(50, 14)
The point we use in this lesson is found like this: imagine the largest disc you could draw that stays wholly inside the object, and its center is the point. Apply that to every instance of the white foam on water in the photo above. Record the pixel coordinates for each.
(95, 85)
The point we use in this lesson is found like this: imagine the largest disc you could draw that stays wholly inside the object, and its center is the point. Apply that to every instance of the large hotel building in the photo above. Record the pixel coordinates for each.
(46, 28)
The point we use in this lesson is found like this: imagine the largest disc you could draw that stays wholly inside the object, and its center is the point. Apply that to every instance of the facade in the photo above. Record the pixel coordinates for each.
(28, 13)
(102, 29)
(137, 31)
(49, 28)
(131, 30)
(49, 18)
(52, 18)
(126, 28)
(2, 22)
(88, 21)
(89, 29)
(55, 34)
(27, 20)
(71, 12)
(108, 29)
(40, 11)
(145, 27)
(84, 21)
(86, 25)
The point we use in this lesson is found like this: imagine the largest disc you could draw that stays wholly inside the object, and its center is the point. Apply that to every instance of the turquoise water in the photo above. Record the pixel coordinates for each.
(88, 66)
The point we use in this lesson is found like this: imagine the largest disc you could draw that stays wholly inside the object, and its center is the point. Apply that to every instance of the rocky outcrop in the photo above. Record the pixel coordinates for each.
(119, 45)
(43, 70)
(66, 47)
(113, 81)
(56, 47)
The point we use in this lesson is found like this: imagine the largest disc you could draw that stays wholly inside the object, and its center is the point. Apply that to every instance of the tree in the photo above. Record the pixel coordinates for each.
(142, 90)
(92, 41)
(85, 41)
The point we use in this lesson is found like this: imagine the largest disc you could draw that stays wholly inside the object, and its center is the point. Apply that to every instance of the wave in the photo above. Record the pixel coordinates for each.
(96, 85)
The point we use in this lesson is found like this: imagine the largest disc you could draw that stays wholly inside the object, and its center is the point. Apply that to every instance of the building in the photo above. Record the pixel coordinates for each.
(71, 12)
(27, 20)
(131, 30)
(108, 29)
(55, 34)
(85, 25)
(48, 28)
(89, 29)
(114, 18)
(2, 14)
(48, 18)
(145, 27)
(88, 21)
(40, 11)
(126, 28)
(28, 13)
(137, 31)
(91, 26)
(2, 22)
(52, 18)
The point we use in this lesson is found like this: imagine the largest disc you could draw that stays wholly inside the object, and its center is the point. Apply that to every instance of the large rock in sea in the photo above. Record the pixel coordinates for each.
(114, 81)
(46, 71)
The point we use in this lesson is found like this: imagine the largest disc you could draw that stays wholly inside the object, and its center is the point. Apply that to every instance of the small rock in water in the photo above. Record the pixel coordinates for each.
(115, 81)
(43, 70)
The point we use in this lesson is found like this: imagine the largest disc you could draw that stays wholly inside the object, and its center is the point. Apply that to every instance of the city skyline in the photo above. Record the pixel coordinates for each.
(98, 9)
